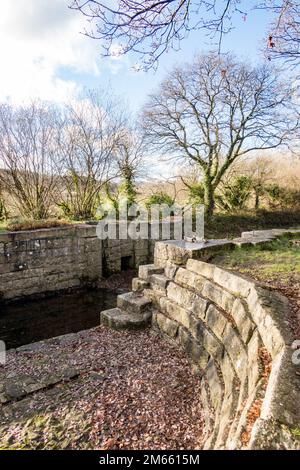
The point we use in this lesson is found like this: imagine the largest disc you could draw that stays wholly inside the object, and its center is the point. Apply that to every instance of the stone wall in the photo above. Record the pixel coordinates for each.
(119, 254)
(40, 261)
(237, 335)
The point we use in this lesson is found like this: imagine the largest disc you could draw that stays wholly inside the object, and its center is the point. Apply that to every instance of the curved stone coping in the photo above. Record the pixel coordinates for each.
(179, 251)
(236, 332)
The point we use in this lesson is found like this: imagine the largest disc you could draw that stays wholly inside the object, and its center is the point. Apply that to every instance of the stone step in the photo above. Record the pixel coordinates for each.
(146, 270)
(117, 319)
(138, 285)
(132, 302)
(159, 281)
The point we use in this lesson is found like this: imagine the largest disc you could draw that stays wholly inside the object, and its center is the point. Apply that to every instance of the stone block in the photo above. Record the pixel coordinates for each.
(170, 270)
(180, 295)
(242, 318)
(138, 285)
(131, 302)
(154, 296)
(175, 312)
(218, 295)
(232, 282)
(215, 385)
(159, 281)
(119, 320)
(147, 270)
(199, 307)
(200, 267)
(189, 279)
(236, 350)
(254, 368)
(168, 326)
(269, 311)
(192, 348)
(214, 347)
(216, 321)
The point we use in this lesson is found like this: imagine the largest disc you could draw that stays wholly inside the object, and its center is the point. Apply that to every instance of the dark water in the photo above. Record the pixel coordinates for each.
(24, 322)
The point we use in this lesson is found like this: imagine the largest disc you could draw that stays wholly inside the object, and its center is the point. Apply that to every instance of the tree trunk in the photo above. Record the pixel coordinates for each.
(257, 200)
(209, 201)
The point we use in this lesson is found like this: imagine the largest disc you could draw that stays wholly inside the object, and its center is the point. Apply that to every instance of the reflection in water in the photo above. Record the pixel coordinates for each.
(27, 321)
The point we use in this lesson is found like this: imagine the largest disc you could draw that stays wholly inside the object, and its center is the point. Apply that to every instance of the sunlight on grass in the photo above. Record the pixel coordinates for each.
(281, 257)
(3, 226)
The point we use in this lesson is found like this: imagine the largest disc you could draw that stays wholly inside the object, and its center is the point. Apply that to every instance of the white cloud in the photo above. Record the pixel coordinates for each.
(37, 38)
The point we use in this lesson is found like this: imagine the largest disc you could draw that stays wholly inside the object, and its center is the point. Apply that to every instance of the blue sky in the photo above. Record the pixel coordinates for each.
(246, 40)
(44, 55)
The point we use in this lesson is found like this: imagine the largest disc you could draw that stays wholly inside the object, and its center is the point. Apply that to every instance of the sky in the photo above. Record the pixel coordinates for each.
(43, 55)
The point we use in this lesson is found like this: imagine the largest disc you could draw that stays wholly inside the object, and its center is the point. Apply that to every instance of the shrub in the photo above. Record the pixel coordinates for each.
(280, 197)
(3, 211)
(196, 194)
(235, 194)
(159, 199)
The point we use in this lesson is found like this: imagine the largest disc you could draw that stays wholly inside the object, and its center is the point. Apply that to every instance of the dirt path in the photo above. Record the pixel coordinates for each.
(100, 389)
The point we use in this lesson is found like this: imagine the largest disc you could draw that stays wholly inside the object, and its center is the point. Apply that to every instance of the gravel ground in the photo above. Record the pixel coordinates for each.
(120, 390)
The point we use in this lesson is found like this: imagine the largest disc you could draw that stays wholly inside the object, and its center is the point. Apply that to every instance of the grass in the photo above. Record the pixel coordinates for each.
(232, 225)
(35, 224)
(3, 226)
(280, 258)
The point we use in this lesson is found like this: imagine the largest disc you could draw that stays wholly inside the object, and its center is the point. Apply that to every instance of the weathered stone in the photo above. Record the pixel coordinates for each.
(269, 312)
(208, 414)
(193, 348)
(189, 279)
(214, 347)
(138, 285)
(200, 267)
(154, 296)
(281, 401)
(41, 261)
(118, 320)
(132, 302)
(147, 270)
(215, 386)
(254, 367)
(232, 282)
(218, 295)
(14, 391)
(159, 281)
(271, 435)
(161, 251)
(170, 270)
(182, 296)
(216, 321)
(242, 319)
(236, 351)
(175, 312)
(168, 326)
(199, 307)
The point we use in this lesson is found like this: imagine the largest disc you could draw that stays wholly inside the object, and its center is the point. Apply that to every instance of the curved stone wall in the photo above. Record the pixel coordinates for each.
(237, 335)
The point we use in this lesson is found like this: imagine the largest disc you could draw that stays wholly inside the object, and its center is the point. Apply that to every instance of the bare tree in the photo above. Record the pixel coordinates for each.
(213, 111)
(28, 150)
(91, 136)
(284, 31)
(130, 163)
(152, 27)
